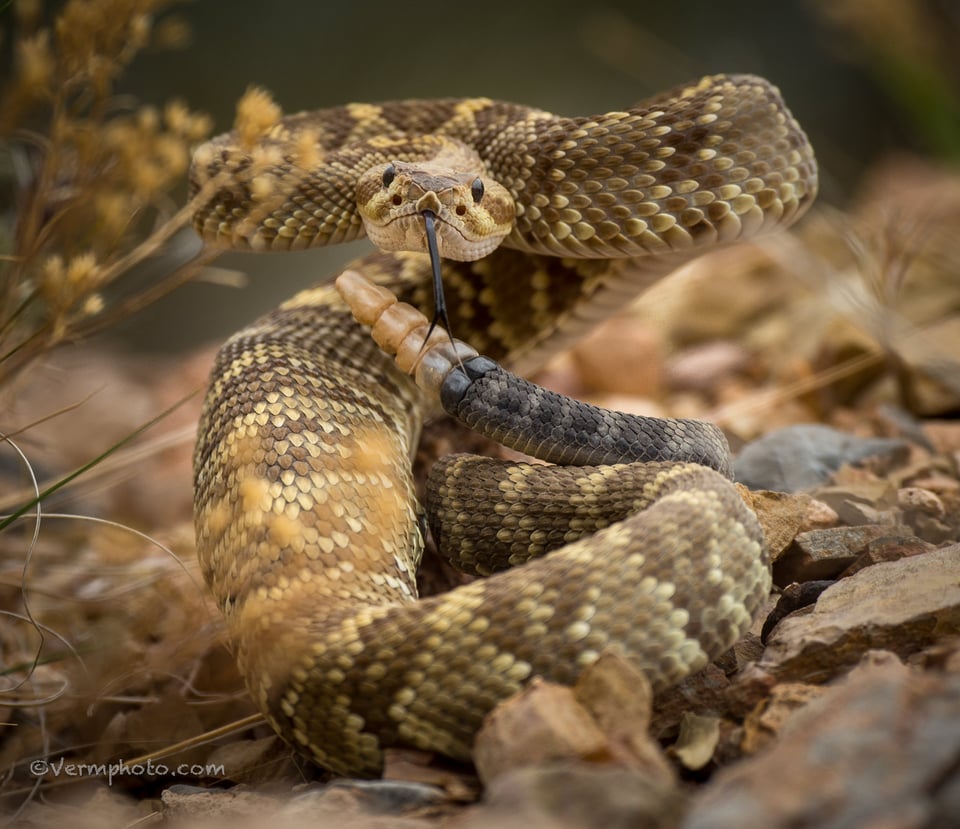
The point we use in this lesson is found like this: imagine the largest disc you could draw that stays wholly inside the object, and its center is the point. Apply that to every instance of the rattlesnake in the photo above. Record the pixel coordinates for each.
(308, 531)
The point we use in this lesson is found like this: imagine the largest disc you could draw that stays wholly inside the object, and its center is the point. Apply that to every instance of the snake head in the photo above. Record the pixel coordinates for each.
(473, 212)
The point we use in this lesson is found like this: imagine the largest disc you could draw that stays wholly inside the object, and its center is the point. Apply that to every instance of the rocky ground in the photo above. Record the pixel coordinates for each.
(830, 357)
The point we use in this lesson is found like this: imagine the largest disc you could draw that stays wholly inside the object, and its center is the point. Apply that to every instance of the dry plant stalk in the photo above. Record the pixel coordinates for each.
(90, 175)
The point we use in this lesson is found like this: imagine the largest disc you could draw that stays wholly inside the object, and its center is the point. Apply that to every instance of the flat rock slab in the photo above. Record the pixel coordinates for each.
(826, 553)
(880, 749)
(901, 606)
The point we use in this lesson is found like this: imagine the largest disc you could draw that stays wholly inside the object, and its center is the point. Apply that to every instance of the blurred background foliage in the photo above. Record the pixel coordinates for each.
(866, 78)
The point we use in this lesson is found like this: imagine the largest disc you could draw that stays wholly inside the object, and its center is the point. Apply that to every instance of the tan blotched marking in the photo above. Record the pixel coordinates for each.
(464, 113)
(254, 494)
(366, 118)
(218, 516)
(364, 112)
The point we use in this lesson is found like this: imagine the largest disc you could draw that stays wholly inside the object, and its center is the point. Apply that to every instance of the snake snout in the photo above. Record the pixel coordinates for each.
(429, 201)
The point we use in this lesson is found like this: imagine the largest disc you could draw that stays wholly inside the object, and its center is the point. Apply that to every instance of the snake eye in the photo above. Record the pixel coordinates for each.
(388, 175)
(476, 190)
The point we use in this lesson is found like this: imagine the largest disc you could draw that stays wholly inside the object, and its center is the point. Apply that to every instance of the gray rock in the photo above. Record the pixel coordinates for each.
(802, 456)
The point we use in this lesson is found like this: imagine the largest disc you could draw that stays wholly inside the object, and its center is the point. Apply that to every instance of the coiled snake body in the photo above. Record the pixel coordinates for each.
(308, 530)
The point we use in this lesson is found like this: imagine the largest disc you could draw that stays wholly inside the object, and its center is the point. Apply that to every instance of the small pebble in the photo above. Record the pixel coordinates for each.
(915, 499)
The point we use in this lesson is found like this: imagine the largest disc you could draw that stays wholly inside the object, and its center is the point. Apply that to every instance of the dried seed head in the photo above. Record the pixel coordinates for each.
(36, 65)
(307, 152)
(256, 113)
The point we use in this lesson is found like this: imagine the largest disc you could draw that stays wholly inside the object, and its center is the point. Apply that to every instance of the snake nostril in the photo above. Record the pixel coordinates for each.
(397, 200)
(461, 209)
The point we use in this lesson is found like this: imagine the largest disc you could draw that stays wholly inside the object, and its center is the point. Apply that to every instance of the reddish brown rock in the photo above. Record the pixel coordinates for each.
(901, 606)
(880, 749)
(768, 719)
(824, 554)
(616, 693)
(702, 368)
(619, 698)
(621, 356)
(542, 723)
(819, 516)
(703, 692)
(888, 549)
(604, 718)
(780, 514)
(577, 796)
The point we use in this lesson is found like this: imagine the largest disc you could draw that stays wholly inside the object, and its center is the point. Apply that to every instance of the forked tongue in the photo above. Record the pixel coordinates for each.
(439, 302)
